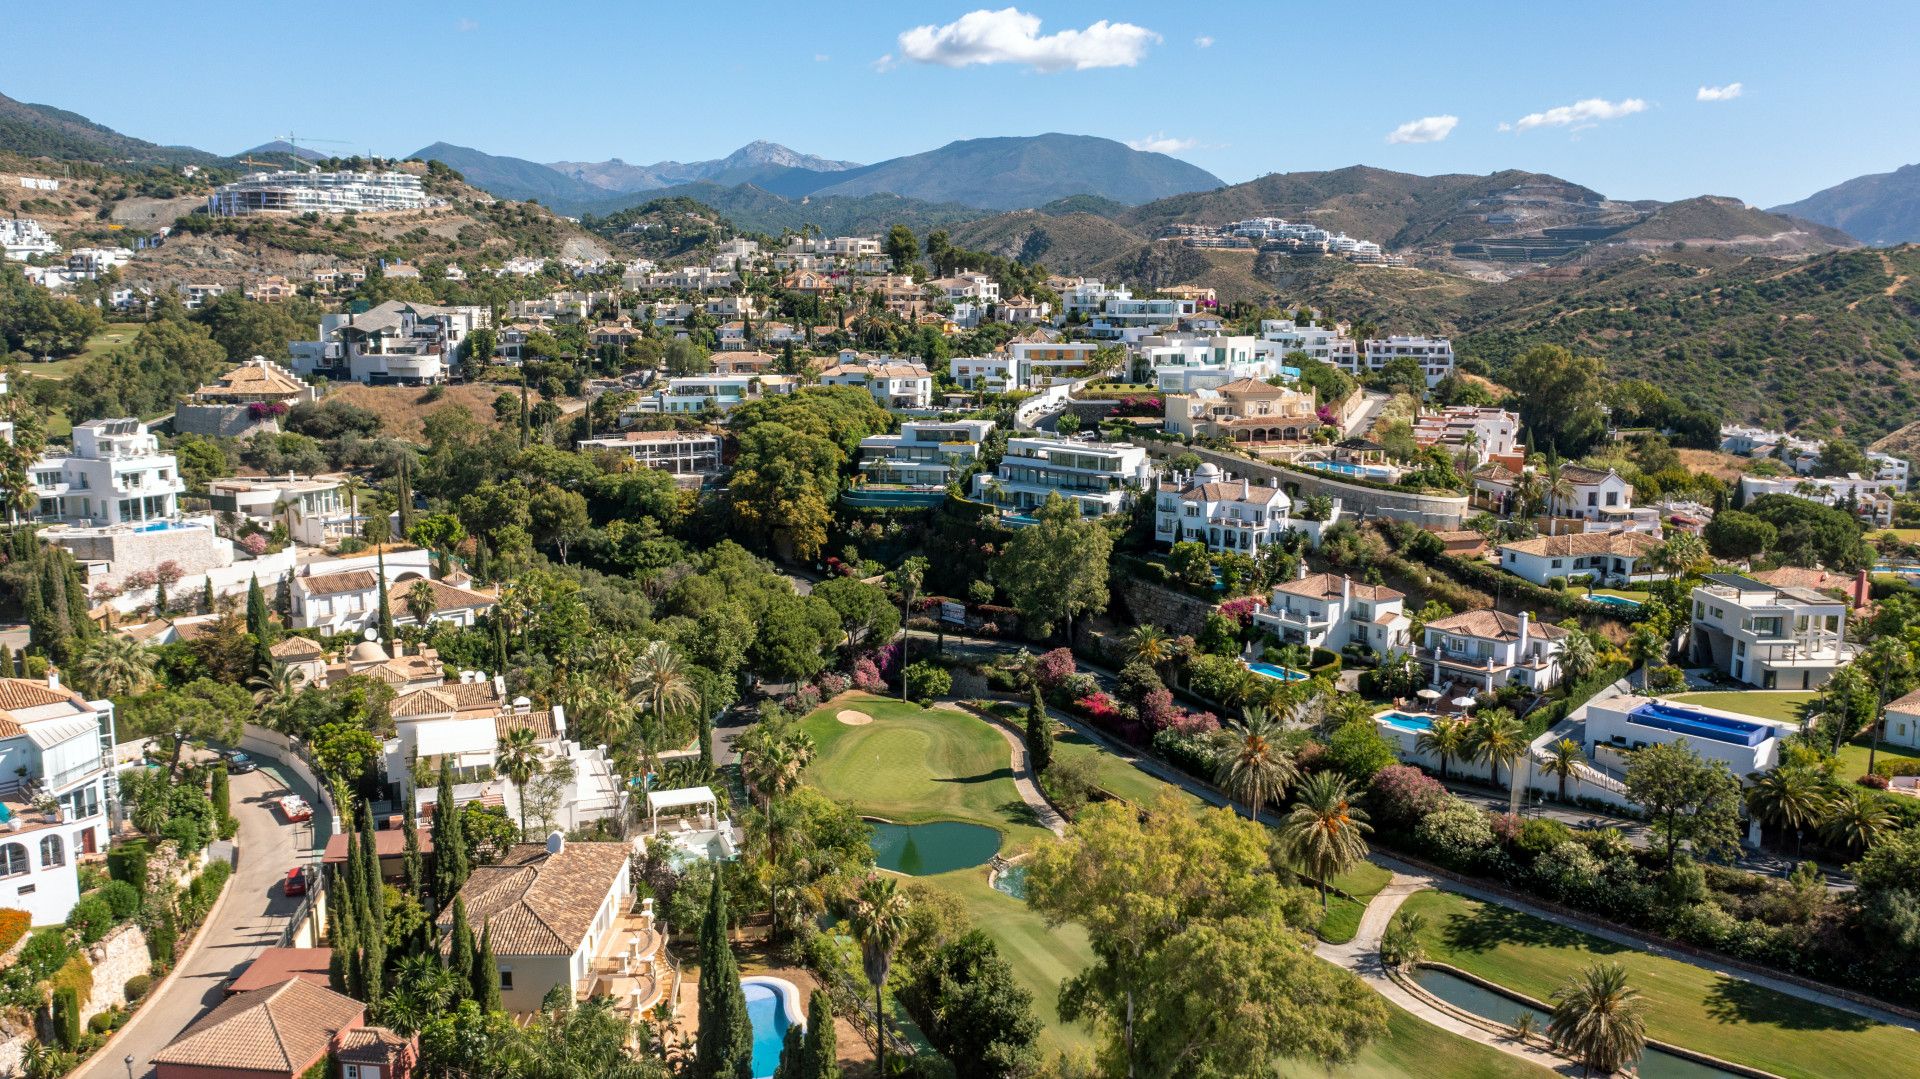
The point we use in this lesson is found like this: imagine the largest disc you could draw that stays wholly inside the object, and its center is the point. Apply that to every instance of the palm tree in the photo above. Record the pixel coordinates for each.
(1557, 489)
(1150, 644)
(519, 759)
(1341, 709)
(1325, 833)
(1496, 738)
(1599, 1020)
(274, 687)
(114, 666)
(1577, 655)
(879, 921)
(1855, 821)
(1645, 646)
(1447, 740)
(1683, 553)
(773, 756)
(1792, 799)
(421, 602)
(659, 683)
(1254, 767)
(1400, 945)
(1563, 762)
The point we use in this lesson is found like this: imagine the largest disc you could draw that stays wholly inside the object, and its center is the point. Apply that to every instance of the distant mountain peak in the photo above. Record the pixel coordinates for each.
(1881, 208)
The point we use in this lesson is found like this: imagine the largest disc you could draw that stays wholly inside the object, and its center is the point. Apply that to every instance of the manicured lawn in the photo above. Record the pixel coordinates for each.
(1784, 706)
(1689, 1006)
(914, 764)
(1413, 1047)
(1342, 919)
(1853, 756)
(1116, 776)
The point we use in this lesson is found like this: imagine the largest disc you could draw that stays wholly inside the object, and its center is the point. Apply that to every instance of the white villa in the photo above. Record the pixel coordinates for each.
(723, 393)
(1323, 610)
(690, 457)
(56, 749)
(897, 385)
(1184, 363)
(926, 453)
(408, 344)
(1434, 354)
(1594, 495)
(1226, 515)
(1767, 636)
(1101, 476)
(115, 474)
(1603, 557)
(1485, 650)
(1617, 726)
(1902, 727)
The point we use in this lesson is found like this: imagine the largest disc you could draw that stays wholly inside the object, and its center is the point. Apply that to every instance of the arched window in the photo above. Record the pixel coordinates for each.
(13, 860)
(52, 852)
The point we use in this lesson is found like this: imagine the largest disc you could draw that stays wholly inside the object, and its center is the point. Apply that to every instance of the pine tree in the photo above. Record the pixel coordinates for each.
(1039, 734)
(449, 845)
(259, 624)
(822, 1057)
(726, 1039)
(386, 605)
(486, 978)
(460, 957)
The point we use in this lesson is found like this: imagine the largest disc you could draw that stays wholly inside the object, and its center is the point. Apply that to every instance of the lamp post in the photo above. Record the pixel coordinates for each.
(129, 1066)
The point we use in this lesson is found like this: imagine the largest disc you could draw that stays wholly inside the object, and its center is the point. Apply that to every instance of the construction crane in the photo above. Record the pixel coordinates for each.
(295, 141)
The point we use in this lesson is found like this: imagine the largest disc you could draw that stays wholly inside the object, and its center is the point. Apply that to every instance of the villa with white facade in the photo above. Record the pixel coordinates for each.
(690, 457)
(1434, 354)
(1485, 650)
(1324, 610)
(1594, 495)
(1101, 476)
(926, 453)
(396, 343)
(1767, 636)
(1602, 557)
(1226, 515)
(115, 474)
(56, 752)
(897, 385)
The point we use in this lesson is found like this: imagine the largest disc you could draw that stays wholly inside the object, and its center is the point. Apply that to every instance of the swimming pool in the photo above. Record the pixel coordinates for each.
(1277, 672)
(1614, 601)
(1663, 716)
(773, 1005)
(1371, 472)
(1406, 721)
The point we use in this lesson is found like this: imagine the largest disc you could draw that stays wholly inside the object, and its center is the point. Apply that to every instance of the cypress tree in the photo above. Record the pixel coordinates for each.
(259, 624)
(822, 1057)
(206, 594)
(386, 605)
(486, 980)
(220, 793)
(461, 956)
(726, 1039)
(66, 1016)
(413, 862)
(6, 662)
(499, 639)
(376, 889)
(403, 494)
(79, 607)
(1039, 734)
(449, 845)
(791, 1052)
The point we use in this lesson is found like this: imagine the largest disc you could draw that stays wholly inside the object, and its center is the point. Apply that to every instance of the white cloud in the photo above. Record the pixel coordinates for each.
(1011, 36)
(466, 25)
(821, 57)
(1161, 143)
(1203, 41)
(1719, 93)
(1582, 113)
(1425, 129)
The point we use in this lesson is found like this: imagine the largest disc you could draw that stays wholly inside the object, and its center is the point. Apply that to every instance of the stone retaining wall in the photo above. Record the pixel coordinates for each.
(117, 958)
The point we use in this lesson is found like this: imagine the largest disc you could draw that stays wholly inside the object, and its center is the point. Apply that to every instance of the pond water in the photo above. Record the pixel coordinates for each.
(1012, 881)
(942, 846)
(1501, 1008)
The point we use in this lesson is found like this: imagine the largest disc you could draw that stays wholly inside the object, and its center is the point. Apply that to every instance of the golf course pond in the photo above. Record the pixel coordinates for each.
(942, 846)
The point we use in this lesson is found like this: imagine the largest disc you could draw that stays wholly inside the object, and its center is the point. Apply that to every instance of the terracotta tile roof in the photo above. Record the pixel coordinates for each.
(252, 380)
(387, 843)
(375, 1045)
(27, 693)
(1495, 626)
(1331, 585)
(333, 584)
(295, 648)
(1231, 492)
(1583, 475)
(541, 903)
(276, 965)
(1909, 704)
(1576, 544)
(282, 1028)
(446, 597)
(1253, 386)
(540, 722)
(439, 700)
(1802, 577)
(1494, 472)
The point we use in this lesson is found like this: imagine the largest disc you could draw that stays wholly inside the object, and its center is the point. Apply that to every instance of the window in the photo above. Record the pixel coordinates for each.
(506, 978)
(52, 852)
(350, 1071)
(13, 860)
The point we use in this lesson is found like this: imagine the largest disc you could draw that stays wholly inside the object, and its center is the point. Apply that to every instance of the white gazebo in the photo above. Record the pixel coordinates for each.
(681, 799)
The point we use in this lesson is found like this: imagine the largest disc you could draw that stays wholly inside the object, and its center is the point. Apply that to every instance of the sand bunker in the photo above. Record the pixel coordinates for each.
(854, 719)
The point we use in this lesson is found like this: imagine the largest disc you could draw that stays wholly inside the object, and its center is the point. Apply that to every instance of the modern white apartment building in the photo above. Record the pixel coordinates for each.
(690, 457)
(115, 474)
(1767, 636)
(991, 372)
(1434, 354)
(926, 453)
(1886, 466)
(1183, 363)
(723, 393)
(56, 752)
(1039, 364)
(1488, 432)
(409, 344)
(319, 192)
(1101, 476)
(1225, 514)
(21, 238)
(1485, 650)
(1872, 499)
(1323, 610)
(1129, 318)
(898, 385)
(1328, 344)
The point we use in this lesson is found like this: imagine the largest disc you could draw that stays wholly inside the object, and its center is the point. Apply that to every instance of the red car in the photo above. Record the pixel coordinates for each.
(296, 881)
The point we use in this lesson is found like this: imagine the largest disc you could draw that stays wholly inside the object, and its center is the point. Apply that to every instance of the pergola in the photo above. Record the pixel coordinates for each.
(680, 799)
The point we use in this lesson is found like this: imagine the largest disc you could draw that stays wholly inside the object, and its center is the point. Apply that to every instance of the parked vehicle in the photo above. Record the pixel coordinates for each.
(296, 883)
(239, 763)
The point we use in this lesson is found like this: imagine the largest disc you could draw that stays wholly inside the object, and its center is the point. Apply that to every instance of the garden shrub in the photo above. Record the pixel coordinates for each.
(1564, 867)
(1457, 832)
(90, 918)
(1402, 794)
(138, 985)
(13, 925)
(128, 862)
(1359, 751)
(1542, 834)
(927, 681)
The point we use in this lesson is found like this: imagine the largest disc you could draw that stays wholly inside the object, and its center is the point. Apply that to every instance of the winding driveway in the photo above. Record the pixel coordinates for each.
(250, 916)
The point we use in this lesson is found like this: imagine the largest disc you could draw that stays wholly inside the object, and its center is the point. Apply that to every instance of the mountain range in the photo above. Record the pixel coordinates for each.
(1879, 209)
(617, 176)
(46, 131)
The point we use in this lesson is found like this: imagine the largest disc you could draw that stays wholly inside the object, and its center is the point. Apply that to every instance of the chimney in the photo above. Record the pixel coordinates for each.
(1346, 590)
(1246, 488)
(1523, 634)
(500, 685)
(559, 721)
(1301, 574)
(556, 841)
(1862, 591)
(53, 678)
(466, 678)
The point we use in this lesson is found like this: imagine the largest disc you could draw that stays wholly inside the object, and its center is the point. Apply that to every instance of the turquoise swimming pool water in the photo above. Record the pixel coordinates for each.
(1614, 601)
(1277, 672)
(767, 1012)
(1407, 721)
(942, 846)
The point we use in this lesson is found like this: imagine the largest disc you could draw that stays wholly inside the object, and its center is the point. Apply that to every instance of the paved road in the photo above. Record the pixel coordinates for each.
(251, 917)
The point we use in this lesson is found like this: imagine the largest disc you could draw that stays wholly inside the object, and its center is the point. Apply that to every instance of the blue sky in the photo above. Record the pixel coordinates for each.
(1609, 95)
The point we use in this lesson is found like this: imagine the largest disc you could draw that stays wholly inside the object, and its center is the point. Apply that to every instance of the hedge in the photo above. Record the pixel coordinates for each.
(1573, 695)
(1498, 581)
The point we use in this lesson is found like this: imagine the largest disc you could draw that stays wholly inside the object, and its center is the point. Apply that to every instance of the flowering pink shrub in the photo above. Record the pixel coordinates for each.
(255, 543)
(1193, 724)
(1055, 668)
(1157, 709)
(1099, 707)
(1326, 415)
(832, 684)
(168, 572)
(1505, 828)
(887, 659)
(806, 700)
(1404, 794)
(141, 578)
(1239, 610)
(262, 409)
(867, 676)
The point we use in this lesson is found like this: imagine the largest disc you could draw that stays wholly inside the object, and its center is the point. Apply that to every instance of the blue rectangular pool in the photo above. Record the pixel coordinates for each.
(1406, 721)
(1277, 672)
(1663, 716)
(1614, 601)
